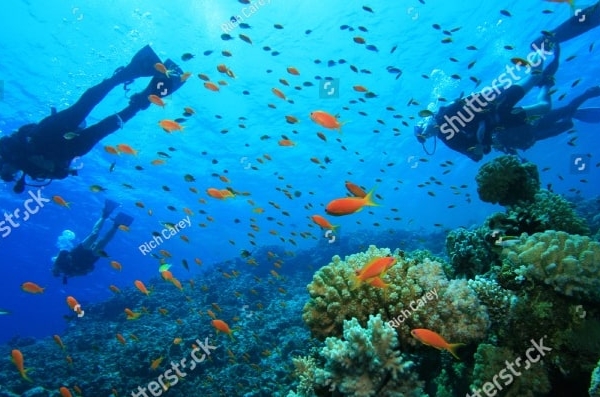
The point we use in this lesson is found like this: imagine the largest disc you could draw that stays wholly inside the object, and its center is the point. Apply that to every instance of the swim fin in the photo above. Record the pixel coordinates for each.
(123, 219)
(109, 206)
(588, 115)
(141, 65)
(161, 85)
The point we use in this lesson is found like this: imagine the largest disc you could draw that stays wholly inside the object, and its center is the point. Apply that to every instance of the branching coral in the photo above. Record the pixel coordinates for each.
(366, 363)
(409, 302)
(505, 180)
(568, 263)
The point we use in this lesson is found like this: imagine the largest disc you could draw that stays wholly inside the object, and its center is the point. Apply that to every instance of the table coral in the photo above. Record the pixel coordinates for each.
(568, 263)
(506, 181)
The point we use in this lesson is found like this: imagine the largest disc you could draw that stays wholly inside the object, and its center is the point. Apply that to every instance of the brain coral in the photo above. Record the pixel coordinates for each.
(568, 263)
(419, 296)
(506, 181)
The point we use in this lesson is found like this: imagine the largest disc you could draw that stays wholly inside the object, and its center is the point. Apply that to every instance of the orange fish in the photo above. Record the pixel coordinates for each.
(161, 68)
(177, 341)
(211, 86)
(155, 99)
(278, 93)
(77, 390)
(114, 289)
(116, 265)
(32, 288)
(72, 302)
(326, 120)
(286, 142)
(434, 339)
(291, 119)
(349, 205)
(158, 162)
(375, 268)
(17, 359)
(360, 88)
(188, 110)
(177, 284)
(156, 363)
(61, 201)
(121, 339)
(124, 228)
(222, 326)
(293, 70)
(125, 148)
(355, 190)
(131, 315)
(64, 392)
(377, 282)
(219, 194)
(58, 341)
(185, 76)
(111, 150)
(141, 287)
(170, 125)
(166, 275)
(324, 223)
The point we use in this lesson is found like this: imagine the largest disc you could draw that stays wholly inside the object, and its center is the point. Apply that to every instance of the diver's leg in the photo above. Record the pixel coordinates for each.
(100, 244)
(55, 126)
(565, 113)
(543, 105)
(89, 241)
(579, 23)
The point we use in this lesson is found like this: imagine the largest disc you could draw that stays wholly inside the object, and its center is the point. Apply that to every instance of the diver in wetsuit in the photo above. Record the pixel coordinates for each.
(45, 150)
(80, 260)
(473, 126)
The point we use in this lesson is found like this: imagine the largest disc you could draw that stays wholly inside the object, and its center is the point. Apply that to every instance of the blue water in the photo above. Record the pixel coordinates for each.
(51, 54)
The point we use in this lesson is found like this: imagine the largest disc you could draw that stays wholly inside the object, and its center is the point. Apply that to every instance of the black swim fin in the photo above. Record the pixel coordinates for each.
(109, 206)
(588, 115)
(123, 219)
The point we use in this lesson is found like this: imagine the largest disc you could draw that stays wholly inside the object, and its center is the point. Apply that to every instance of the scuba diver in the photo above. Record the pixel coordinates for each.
(45, 150)
(473, 126)
(80, 260)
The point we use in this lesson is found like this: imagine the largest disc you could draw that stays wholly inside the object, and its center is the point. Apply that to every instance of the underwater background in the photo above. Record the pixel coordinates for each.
(248, 259)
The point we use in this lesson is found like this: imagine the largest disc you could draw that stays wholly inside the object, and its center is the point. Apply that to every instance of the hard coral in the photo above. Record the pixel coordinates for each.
(366, 362)
(506, 181)
(469, 252)
(568, 263)
(419, 296)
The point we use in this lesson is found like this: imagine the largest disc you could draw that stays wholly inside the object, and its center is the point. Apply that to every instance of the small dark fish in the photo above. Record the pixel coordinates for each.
(471, 65)
(245, 38)
(308, 31)
(278, 26)
(185, 264)
(275, 53)
(472, 48)
(368, 9)
(354, 68)
(447, 40)
(570, 58)
(244, 25)
(344, 27)
(370, 95)
(393, 49)
(112, 166)
(371, 47)
(226, 36)
(163, 155)
(139, 168)
(436, 26)
(362, 29)
(207, 52)
(187, 56)
(509, 47)
(505, 13)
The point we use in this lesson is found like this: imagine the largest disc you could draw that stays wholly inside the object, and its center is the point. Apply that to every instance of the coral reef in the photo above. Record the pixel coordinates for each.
(469, 252)
(366, 363)
(455, 312)
(491, 360)
(500, 302)
(506, 181)
(568, 263)
(595, 382)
